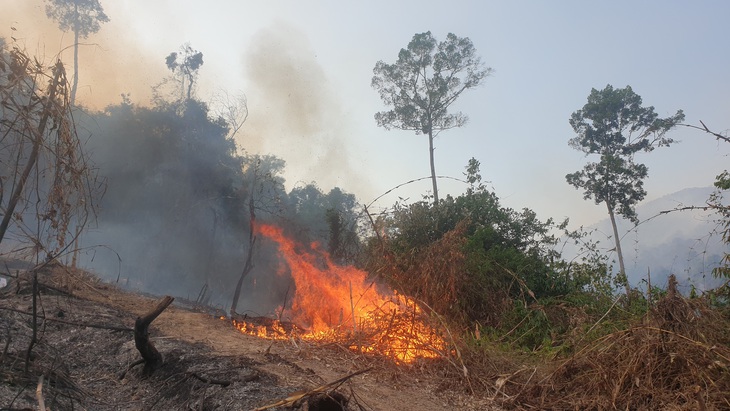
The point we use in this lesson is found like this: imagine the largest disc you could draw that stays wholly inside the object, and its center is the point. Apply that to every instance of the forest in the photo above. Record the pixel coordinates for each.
(161, 199)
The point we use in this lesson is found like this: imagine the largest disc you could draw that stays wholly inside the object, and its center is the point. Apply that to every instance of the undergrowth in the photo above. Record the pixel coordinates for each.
(674, 353)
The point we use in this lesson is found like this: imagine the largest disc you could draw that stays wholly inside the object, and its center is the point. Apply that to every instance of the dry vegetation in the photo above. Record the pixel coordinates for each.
(678, 357)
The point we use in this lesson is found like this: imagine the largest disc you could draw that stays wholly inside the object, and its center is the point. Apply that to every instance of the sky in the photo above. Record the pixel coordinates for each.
(306, 70)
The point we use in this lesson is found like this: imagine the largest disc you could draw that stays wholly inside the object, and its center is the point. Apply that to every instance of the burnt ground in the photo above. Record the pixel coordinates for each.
(85, 344)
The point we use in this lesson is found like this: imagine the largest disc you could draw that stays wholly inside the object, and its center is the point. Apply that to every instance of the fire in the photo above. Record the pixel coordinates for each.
(273, 331)
(338, 303)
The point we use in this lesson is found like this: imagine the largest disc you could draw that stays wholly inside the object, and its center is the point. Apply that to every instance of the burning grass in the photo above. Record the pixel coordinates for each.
(678, 357)
(398, 330)
(337, 304)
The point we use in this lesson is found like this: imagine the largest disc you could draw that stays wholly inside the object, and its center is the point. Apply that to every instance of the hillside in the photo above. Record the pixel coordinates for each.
(86, 343)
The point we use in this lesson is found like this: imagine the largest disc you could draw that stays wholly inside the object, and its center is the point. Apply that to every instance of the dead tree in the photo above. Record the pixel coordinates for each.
(49, 182)
(37, 137)
(151, 358)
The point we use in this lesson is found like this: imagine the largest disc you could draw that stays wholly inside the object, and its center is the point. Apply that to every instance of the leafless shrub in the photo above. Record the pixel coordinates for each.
(47, 184)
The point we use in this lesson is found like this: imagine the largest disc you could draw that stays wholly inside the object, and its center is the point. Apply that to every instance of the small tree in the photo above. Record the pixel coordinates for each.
(264, 192)
(231, 108)
(423, 83)
(83, 17)
(615, 126)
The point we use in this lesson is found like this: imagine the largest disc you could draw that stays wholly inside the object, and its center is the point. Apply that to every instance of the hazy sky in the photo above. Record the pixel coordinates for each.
(306, 69)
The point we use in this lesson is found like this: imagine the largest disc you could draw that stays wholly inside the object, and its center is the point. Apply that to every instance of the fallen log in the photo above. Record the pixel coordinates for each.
(150, 356)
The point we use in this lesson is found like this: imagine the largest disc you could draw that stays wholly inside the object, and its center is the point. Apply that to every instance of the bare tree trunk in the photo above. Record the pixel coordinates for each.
(76, 54)
(37, 140)
(433, 168)
(248, 266)
(622, 268)
(34, 338)
(74, 259)
(203, 297)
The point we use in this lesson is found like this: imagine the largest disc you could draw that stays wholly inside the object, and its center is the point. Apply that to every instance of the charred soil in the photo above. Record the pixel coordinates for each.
(83, 347)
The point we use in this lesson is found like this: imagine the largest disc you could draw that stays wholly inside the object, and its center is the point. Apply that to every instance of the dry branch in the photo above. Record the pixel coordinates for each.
(58, 74)
(77, 324)
(704, 128)
(208, 380)
(300, 395)
(39, 394)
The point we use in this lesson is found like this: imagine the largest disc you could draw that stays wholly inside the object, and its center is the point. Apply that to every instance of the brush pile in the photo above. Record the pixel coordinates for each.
(398, 330)
(678, 357)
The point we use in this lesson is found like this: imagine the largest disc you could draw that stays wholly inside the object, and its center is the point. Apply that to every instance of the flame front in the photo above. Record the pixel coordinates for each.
(337, 303)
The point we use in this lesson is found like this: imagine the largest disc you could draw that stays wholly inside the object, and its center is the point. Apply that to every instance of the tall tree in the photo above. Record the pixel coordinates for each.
(614, 125)
(83, 17)
(185, 64)
(423, 83)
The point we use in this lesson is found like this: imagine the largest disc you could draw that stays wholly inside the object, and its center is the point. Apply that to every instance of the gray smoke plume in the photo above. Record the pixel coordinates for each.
(295, 114)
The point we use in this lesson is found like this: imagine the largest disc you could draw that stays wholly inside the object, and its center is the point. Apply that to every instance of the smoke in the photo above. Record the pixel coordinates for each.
(295, 114)
(110, 62)
(294, 111)
(159, 229)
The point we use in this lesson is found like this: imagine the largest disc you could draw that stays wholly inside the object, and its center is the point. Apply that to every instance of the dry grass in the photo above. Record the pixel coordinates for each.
(678, 357)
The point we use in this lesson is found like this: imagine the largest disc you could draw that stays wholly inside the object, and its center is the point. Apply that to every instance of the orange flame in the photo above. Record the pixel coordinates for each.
(338, 303)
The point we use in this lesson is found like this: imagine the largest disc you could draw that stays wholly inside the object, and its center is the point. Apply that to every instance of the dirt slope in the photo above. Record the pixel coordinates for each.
(195, 345)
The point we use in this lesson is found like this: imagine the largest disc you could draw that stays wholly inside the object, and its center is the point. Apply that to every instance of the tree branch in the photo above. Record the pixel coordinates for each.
(77, 324)
(707, 130)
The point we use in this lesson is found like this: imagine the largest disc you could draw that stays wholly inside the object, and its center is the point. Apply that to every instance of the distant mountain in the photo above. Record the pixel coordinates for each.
(685, 243)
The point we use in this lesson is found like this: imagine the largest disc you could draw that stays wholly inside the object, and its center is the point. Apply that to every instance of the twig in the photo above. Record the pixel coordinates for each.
(132, 365)
(690, 340)
(79, 324)
(413, 181)
(463, 369)
(34, 337)
(296, 396)
(648, 282)
(207, 380)
(375, 229)
(354, 321)
(520, 281)
(39, 394)
(7, 346)
(605, 314)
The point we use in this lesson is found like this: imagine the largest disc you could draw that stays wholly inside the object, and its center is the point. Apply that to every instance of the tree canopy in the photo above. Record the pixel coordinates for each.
(614, 125)
(185, 64)
(83, 17)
